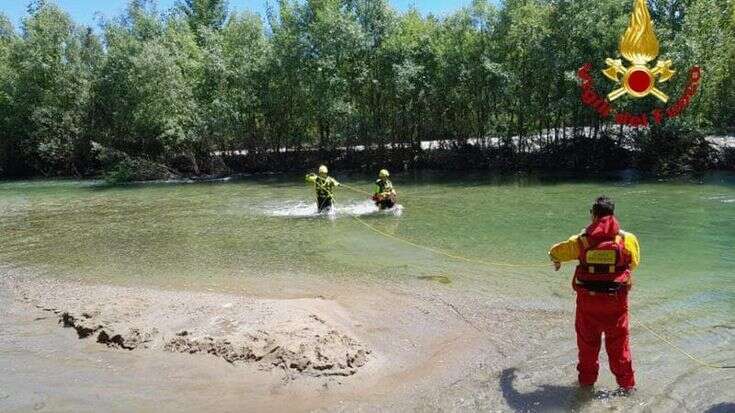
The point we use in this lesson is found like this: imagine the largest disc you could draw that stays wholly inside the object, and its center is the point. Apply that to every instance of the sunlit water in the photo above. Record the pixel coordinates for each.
(222, 234)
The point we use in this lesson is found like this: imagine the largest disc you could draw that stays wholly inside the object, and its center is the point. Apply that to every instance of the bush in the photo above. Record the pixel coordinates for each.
(728, 158)
(583, 154)
(120, 168)
(674, 150)
(132, 170)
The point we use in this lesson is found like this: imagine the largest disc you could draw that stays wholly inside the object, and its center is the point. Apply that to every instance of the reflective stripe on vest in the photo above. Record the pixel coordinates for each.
(593, 269)
(602, 268)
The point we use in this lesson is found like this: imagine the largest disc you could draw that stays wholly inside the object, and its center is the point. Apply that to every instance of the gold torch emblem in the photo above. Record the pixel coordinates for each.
(639, 46)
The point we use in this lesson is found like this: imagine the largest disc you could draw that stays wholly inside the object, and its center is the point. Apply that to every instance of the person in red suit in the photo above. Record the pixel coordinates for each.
(602, 280)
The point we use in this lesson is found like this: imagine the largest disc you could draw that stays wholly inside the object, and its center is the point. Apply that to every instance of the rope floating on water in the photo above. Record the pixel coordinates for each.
(659, 336)
(437, 251)
(682, 351)
(445, 253)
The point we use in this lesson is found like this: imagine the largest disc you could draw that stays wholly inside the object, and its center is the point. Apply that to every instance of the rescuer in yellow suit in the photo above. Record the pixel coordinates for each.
(384, 195)
(324, 186)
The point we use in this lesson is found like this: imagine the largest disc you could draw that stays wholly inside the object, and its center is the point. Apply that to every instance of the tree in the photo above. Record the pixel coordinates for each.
(333, 40)
(372, 72)
(709, 31)
(286, 104)
(234, 85)
(524, 38)
(204, 15)
(143, 99)
(51, 91)
(410, 55)
(177, 87)
(7, 142)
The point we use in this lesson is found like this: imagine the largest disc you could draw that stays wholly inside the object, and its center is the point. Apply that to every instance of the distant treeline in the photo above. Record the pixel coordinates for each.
(315, 79)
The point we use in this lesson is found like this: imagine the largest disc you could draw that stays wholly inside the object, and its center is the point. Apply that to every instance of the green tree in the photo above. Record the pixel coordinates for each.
(144, 99)
(178, 86)
(233, 86)
(7, 82)
(709, 33)
(286, 105)
(469, 79)
(333, 41)
(524, 39)
(410, 54)
(51, 91)
(204, 15)
(372, 72)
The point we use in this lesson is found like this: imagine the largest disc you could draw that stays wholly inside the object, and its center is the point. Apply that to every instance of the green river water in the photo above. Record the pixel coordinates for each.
(219, 235)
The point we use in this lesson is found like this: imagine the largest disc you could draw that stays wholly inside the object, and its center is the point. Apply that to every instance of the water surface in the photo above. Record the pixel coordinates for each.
(227, 234)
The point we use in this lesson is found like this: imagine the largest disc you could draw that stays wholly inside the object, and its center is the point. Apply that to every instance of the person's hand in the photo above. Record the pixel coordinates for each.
(557, 265)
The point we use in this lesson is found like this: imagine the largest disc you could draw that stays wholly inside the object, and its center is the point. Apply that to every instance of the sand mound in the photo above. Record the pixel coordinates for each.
(303, 337)
(331, 355)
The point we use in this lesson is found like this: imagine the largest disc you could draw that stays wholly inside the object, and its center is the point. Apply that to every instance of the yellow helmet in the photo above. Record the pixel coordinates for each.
(323, 170)
(384, 173)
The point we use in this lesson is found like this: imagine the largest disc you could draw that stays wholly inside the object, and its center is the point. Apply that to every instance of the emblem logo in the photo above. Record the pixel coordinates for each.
(639, 46)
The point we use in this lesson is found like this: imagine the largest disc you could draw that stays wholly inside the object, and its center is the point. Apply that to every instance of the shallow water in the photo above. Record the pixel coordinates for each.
(229, 234)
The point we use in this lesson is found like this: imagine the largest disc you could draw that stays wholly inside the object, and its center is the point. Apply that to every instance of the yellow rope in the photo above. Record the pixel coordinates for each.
(402, 194)
(359, 191)
(444, 253)
(503, 264)
(682, 351)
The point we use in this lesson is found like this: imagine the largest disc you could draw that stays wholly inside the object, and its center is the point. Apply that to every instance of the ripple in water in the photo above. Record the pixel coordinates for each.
(300, 209)
(722, 198)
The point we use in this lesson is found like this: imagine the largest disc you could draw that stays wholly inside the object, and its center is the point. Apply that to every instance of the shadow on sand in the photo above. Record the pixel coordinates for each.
(546, 398)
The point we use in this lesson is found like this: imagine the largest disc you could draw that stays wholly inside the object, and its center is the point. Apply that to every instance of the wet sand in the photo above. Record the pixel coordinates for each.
(73, 346)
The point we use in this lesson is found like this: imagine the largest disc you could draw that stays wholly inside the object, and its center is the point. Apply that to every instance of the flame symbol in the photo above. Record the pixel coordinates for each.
(639, 43)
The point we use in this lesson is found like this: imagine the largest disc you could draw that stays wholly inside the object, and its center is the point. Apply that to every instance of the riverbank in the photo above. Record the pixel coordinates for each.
(666, 154)
(580, 151)
(114, 348)
(228, 352)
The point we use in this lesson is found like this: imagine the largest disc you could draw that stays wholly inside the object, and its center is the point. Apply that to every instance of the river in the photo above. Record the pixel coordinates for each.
(475, 241)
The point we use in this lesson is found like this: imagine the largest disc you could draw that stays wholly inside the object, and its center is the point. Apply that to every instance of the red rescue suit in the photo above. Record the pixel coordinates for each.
(602, 282)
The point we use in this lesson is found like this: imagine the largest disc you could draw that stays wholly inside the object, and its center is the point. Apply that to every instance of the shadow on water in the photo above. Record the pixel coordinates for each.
(546, 398)
(721, 408)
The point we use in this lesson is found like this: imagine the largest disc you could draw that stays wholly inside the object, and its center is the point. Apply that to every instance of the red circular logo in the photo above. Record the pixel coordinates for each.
(639, 81)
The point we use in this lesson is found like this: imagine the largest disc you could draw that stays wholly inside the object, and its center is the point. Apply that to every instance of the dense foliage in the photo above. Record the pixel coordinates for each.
(318, 79)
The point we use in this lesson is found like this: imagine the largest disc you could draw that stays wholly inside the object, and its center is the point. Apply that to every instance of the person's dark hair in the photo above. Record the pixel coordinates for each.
(603, 207)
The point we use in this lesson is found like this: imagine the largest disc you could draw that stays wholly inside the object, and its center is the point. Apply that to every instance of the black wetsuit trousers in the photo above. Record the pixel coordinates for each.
(324, 203)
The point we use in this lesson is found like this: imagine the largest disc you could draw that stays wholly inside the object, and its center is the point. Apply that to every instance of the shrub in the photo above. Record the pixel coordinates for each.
(133, 169)
(673, 149)
(728, 158)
